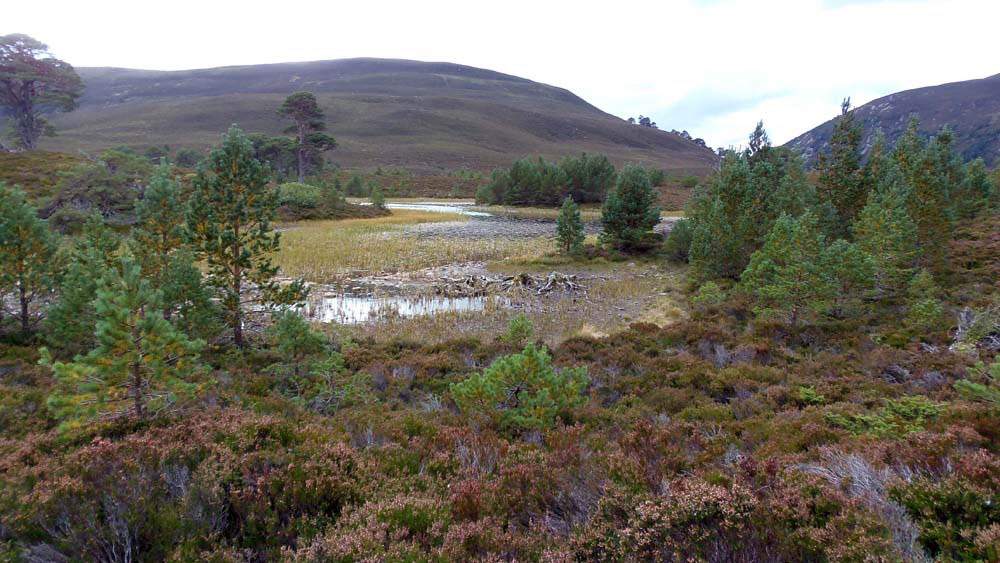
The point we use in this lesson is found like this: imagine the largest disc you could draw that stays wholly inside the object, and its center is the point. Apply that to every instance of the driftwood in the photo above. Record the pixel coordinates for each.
(475, 286)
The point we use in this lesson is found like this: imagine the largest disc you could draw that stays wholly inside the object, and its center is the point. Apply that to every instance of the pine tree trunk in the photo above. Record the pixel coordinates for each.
(302, 154)
(25, 329)
(136, 369)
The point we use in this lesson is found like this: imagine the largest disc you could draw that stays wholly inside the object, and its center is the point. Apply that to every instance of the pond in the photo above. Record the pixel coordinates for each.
(455, 207)
(356, 309)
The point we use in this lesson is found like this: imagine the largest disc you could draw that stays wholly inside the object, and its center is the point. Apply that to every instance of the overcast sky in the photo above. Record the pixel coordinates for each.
(713, 67)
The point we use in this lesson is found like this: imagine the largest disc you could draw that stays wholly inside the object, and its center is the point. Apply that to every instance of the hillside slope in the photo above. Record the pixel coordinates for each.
(422, 116)
(971, 108)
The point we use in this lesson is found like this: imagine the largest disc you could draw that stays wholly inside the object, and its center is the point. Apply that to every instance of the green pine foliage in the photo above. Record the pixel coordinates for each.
(851, 271)
(677, 247)
(786, 276)
(519, 331)
(842, 180)
(986, 392)
(294, 340)
(732, 215)
(522, 391)
(229, 222)
(377, 197)
(69, 323)
(27, 248)
(587, 179)
(356, 187)
(569, 227)
(885, 231)
(925, 311)
(141, 364)
(630, 212)
(928, 169)
(159, 244)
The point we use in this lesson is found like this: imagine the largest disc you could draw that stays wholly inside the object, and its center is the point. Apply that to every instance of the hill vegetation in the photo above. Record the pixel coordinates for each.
(971, 109)
(426, 117)
(807, 369)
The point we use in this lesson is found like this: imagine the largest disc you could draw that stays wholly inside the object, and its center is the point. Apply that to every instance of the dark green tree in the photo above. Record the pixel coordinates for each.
(569, 227)
(377, 197)
(188, 158)
(929, 171)
(589, 177)
(786, 277)
(630, 212)
(733, 213)
(851, 270)
(293, 338)
(141, 364)
(159, 243)
(841, 177)
(885, 231)
(69, 324)
(302, 108)
(32, 84)
(229, 224)
(27, 248)
(356, 187)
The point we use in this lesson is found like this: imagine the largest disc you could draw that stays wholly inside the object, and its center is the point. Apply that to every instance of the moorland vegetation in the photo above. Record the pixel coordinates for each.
(830, 394)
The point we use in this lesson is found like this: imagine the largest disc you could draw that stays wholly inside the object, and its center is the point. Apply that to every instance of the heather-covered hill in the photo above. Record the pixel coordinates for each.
(417, 115)
(970, 108)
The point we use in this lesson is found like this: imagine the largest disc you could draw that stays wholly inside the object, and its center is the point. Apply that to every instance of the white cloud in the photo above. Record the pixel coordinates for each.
(713, 67)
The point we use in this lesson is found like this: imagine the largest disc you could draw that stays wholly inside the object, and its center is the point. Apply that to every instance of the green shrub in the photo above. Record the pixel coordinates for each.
(709, 294)
(522, 391)
(519, 330)
(897, 418)
(299, 195)
(678, 243)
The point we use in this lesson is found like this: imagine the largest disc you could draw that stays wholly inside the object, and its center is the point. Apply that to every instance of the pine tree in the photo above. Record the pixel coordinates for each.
(159, 244)
(974, 193)
(851, 270)
(925, 311)
(141, 364)
(302, 108)
(27, 248)
(229, 222)
(294, 339)
(630, 212)
(569, 227)
(732, 215)
(377, 197)
(786, 276)
(885, 231)
(841, 177)
(69, 324)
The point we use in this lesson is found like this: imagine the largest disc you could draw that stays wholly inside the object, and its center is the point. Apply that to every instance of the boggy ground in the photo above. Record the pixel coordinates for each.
(411, 252)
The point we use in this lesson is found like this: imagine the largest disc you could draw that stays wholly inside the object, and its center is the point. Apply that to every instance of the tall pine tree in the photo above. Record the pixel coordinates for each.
(786, 276)
(841, 176)
(630, 212)
(302, 108)
(229, 222)
(27, 247)
(159, 244)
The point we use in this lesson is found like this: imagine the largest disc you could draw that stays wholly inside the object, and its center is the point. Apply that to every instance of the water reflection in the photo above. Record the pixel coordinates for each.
(354, 309)
(460, 208)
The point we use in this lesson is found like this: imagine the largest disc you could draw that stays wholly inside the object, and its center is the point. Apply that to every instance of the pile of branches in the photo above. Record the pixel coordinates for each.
(475, 286)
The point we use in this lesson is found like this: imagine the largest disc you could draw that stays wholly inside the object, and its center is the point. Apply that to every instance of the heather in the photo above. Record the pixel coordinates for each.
(808, 371)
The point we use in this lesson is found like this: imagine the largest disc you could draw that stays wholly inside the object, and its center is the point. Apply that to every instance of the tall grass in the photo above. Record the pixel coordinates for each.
(321, 251)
